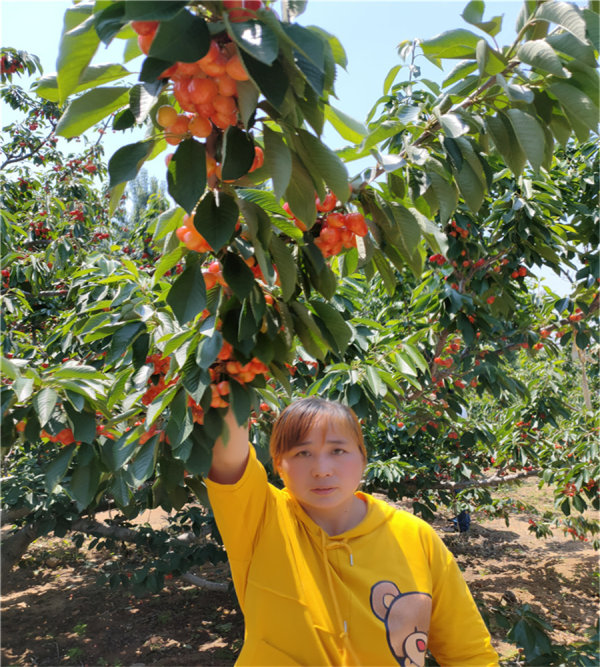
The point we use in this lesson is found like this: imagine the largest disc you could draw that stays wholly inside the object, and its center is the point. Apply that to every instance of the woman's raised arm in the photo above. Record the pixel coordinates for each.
(230, 453)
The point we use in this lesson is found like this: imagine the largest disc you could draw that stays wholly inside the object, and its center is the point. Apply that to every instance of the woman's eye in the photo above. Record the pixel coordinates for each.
(339, 450)
(302, 453)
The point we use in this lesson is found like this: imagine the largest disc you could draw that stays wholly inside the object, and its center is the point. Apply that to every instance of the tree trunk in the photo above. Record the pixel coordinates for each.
(15, 545)
(12, 515)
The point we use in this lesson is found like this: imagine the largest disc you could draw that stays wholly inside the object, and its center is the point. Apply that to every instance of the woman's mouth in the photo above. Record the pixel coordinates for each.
(323, 491)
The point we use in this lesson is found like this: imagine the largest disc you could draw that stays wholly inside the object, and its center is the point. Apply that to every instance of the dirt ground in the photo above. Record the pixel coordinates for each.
(53, 613)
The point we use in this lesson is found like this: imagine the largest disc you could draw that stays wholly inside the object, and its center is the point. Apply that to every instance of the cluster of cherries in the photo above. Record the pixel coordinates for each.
(39, 230)
(10, 65)
(64, 436)
(191, 237)
(338, 230)
(156, 382)
(226, 365)
(206, 89)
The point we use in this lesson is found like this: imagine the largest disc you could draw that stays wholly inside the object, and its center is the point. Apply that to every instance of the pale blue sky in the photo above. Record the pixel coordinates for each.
(369, 30)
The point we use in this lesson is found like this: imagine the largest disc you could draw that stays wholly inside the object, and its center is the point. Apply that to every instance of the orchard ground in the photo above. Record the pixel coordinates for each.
(54, 613)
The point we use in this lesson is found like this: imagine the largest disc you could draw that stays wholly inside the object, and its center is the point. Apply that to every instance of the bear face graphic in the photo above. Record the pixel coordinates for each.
(406, 617)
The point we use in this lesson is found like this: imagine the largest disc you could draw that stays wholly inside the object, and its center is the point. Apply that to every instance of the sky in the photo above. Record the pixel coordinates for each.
(369, 31)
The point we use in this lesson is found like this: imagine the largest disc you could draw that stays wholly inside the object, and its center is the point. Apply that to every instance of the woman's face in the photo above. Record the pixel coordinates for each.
(323, 470)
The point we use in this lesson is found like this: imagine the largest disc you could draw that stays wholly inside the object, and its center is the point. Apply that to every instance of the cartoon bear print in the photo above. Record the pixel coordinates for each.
(406, 617)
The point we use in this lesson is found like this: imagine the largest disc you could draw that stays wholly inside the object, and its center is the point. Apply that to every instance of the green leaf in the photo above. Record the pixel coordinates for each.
(309, 55)
(119, 489)
(278, 160)
(116, 453)
(109, 21)
(473, 14)
(142, 97)
(124, 165)
(57, 468)
(186, 175)
(166, 263)
(530, 135)
(44, 403)
(153, 10)
(180, 424)
(564, 15)
(183, 38)
(489, 61)
(340, 331)
(539, 54)
(187, 296)
(291, 9)
(453, 125)
(407, 232)
(122, 339)
(471, 187)
(84, 424)
(247, 98)
(84, 483)
(593, 27)
(346, 127)
(142, 466)
(93, 76)
(216, 217)
(386, 272)
(23, 388)
(505, 140)
(331, 169)
(390, 77)
(78, 45)
(93, 106)
(266, 200)
(8, 368)
(238, 153)
(446, 195)
(241, 401)
(255, 38)
(578, 107)
(160, 404)
(300, 194)
(152, 69)
(376, 384)
(286, 267)
(308, 331)
(459, 72)
(209, 349)
(458, 43)
(237, 275)
(271, 80)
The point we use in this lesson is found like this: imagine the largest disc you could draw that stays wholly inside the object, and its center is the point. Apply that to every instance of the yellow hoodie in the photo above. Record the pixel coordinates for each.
(381, 593)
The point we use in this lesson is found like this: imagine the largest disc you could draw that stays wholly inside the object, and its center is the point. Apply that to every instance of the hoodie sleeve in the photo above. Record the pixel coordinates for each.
(458, 636)
(239, 511)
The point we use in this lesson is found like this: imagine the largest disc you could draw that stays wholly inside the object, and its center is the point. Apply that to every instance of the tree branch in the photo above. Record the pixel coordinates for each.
(13, 515)
(89, 526)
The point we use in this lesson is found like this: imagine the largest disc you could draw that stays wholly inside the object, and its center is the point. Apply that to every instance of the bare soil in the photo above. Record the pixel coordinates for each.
(54, 613)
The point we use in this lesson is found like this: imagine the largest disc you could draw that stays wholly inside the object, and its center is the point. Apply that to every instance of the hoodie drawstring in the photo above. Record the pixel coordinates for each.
(341, 623)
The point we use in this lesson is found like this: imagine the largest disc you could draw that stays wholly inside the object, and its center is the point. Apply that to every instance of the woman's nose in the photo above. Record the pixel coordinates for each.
(321, 467)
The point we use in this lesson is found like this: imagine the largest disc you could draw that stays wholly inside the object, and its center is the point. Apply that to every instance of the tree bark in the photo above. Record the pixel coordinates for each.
(91, 527)
(12, 515)
(15, 545)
